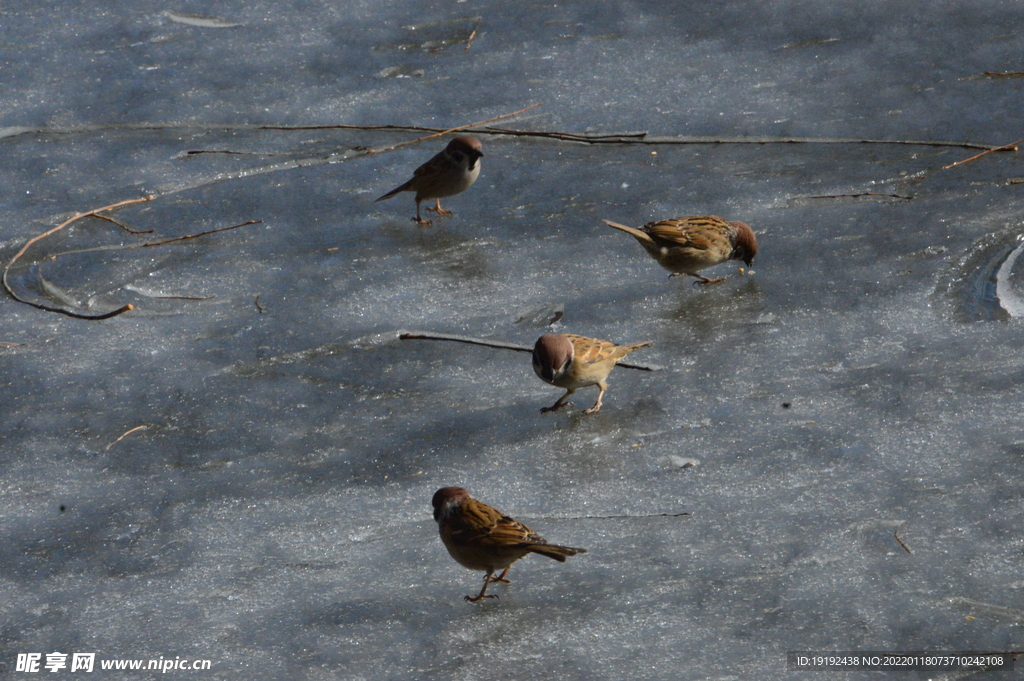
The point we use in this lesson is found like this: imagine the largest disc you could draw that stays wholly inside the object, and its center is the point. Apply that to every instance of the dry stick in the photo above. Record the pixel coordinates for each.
(469, 41)
(126, 434)
(896, 536)
(49, 308)
(598, 138)
(854, 196)
(634, 138)
(571, 136)
(124, 226)
(461, 127)
(647, 139)
(196, 236)
(430, 335)
(1004, 73)
(168, 241)
(93, 213)
(224, 151)
(183, 297)
(1012, 146)
(611, 517)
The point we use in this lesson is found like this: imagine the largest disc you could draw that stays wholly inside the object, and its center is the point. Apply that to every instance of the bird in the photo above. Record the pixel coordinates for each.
(450, 172)
(690, 244)
(572, 362)
(480, 537)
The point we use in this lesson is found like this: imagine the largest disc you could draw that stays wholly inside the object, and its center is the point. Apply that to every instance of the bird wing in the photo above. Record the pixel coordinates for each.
(431, 166)
(699, 232)
(589, 350)
(481, 526)
(485, 525)
(592, 350)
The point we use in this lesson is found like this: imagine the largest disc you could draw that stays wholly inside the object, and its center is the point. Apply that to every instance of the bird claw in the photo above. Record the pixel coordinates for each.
(704, 281)
(420, 221)
(474, 599)
(554, 407)
(593, 410)
(439, 211)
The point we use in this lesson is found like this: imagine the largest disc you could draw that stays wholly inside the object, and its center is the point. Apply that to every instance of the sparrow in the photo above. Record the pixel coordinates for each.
(572, 362)
(688, 245)
(451, 172)
(480, 537)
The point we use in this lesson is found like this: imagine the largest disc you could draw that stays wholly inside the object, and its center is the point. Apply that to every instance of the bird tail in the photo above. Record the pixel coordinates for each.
(397, 190)
(623, 350)
(555, 551)
(636, 346)
(641, 236)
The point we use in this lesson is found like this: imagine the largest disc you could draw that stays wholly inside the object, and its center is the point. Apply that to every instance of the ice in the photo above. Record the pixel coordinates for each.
(240, 468)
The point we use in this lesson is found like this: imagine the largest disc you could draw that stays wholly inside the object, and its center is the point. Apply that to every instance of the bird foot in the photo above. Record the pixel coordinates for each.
(555, 407)
(704, 281)
(439, 211)
(474, 599)
(420, 221)
(593, 410)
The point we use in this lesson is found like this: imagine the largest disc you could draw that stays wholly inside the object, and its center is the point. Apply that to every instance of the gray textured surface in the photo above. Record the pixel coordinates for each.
(273, 516)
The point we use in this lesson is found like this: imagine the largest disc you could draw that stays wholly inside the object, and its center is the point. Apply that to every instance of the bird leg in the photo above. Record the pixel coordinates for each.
(418, 220)
(487, 580)
(560, 403)
(437, 208)
(602, 386)
(701, 279)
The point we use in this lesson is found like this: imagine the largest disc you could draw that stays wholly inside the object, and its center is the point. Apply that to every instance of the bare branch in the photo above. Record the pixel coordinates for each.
(430, 335)
(38, 237)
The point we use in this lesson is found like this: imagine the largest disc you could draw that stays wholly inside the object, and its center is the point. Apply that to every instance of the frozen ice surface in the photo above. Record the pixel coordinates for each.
(240, 469)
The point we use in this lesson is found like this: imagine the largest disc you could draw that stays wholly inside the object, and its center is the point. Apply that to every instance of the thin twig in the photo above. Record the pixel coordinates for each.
(196, 236)
(182, 297)
(896, 536)
(49, 308)
(456, 129)
(39, 130)
(608, 517)
(430, 335)
(1011, 147)
(259, 308)
(122, 225)
(648, 139)
(617, 138)
(469, 41)
(224, 151)
(126, 434)
(10, 345)
(1009, 74)
(854, 196)
(638, 138)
